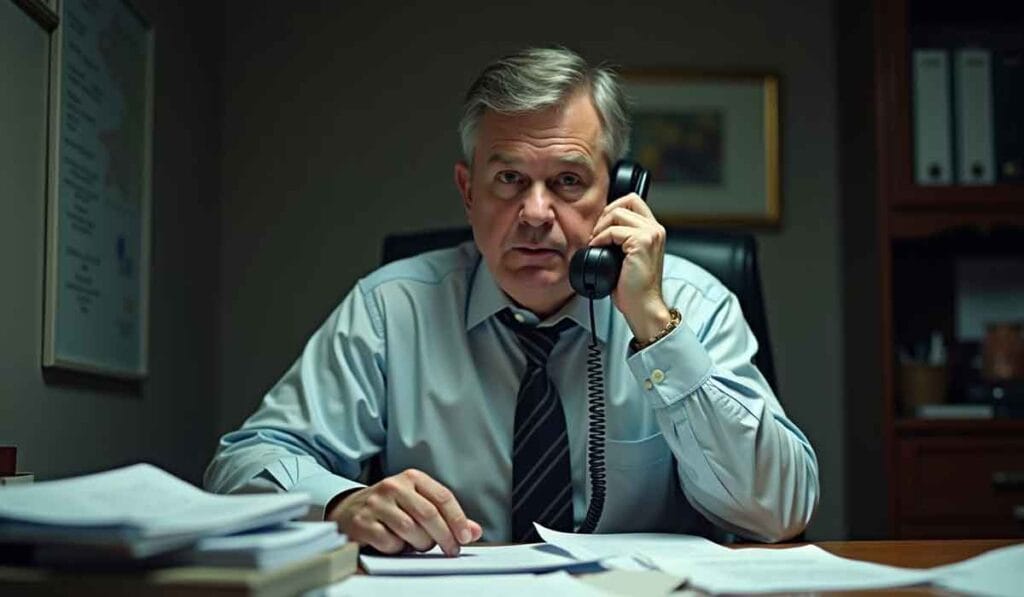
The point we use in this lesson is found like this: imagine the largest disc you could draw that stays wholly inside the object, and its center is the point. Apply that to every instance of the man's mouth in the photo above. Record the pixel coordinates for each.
(536, 253)
(537, 249)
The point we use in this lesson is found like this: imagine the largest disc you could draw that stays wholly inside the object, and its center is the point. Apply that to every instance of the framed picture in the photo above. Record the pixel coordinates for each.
(711, 142)
(98, 203)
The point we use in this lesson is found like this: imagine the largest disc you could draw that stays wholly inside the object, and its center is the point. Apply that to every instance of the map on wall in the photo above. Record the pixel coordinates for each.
(98, 250)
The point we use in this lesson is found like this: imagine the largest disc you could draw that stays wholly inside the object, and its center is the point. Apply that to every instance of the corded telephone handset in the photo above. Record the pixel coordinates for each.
(594, 273)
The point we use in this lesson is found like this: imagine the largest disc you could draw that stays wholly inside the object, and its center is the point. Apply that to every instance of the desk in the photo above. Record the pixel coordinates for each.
(908, 554)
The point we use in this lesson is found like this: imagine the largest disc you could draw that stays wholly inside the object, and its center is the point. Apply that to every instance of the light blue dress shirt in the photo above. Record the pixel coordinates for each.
(413, 365)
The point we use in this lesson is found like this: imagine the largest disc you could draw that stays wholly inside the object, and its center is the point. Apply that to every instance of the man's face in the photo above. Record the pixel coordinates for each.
(536, 188)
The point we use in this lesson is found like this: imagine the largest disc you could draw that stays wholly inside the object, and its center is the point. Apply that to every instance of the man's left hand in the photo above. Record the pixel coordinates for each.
(629, 223)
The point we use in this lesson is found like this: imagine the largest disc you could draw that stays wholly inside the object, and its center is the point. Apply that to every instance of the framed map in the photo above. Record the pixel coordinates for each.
(98, 204)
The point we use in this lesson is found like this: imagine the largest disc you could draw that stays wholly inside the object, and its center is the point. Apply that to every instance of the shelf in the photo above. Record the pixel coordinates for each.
(914, 223)
(894, 126)
(908, 426)
(998, 197)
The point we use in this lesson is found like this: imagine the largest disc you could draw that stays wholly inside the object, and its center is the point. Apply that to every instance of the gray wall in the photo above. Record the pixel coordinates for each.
(69, 424)
(339, 127)
(866, 485)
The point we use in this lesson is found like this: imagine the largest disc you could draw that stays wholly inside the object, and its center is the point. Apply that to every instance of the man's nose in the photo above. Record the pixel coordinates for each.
(536, 209)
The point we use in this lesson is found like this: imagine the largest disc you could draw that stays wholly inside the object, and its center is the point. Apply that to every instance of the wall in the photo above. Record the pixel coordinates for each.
(866, 483)
(65, 424)
(339, 127)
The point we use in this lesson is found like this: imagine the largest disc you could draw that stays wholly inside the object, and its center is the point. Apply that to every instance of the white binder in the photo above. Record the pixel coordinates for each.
(975, 143)
(933, 163)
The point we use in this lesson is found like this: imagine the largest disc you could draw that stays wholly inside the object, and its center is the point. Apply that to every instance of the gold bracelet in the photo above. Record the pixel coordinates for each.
(676, 318)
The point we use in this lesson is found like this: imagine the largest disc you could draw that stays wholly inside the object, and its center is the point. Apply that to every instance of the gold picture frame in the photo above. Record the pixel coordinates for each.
(711, 142)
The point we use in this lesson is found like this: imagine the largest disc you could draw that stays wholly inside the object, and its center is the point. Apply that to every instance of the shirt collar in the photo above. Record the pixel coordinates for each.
(486, 298)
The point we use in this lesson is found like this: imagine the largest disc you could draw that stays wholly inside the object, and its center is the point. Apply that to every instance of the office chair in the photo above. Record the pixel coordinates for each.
(729, 256)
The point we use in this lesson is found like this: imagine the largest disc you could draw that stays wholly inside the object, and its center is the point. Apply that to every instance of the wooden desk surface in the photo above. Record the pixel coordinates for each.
(914, 554)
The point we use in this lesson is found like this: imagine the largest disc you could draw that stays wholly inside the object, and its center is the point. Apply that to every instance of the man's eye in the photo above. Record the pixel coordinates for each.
(509, 177)
(569, 180)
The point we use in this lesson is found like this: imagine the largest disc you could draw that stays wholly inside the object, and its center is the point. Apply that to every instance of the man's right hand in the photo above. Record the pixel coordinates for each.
(407, 509)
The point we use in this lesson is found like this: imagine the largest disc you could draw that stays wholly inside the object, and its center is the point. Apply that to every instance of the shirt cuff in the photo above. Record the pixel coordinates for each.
(671, 368)
(295, 474)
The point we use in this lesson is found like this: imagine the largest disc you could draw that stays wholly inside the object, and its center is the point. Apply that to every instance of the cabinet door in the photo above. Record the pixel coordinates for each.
(961, 487)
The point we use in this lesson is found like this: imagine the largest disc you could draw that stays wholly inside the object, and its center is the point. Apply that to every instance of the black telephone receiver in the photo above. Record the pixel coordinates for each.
(594, 271)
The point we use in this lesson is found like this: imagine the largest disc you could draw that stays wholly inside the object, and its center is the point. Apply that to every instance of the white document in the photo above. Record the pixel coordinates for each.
(975, 142)
(489, 585)
(267, 547)
(933, 164)
(474, 559)
(613, 545)
(806, 568)
(999, 572)
(139, 506)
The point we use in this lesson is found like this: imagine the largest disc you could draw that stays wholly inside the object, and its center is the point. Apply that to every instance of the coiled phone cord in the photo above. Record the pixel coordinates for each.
(596, 433)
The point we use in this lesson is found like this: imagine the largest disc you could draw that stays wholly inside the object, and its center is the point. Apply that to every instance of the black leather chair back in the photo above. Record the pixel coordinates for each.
(729, 256)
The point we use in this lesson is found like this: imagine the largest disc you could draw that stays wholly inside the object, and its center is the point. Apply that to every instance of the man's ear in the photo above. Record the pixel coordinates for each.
(462, 180)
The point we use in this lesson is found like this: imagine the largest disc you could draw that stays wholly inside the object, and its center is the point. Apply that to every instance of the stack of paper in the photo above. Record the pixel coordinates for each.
(181, 581)
(266, 548)
(136, 511)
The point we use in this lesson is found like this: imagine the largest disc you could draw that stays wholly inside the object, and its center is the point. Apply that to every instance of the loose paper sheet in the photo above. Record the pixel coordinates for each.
(805, 568)
(999, 572)
(491, 585)
(473, 559)
(612, 545)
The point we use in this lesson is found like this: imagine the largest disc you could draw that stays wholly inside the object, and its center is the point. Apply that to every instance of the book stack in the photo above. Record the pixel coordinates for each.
(140, 530)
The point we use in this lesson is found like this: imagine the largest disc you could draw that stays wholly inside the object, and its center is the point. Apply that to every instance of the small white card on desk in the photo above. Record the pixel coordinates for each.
(635, 583)
(17, 479)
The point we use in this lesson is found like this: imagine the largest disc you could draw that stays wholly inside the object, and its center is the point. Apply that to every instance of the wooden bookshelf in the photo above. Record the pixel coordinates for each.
(942, 475)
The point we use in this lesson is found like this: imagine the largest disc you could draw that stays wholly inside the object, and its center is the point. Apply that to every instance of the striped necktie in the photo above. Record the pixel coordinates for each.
(541, 475)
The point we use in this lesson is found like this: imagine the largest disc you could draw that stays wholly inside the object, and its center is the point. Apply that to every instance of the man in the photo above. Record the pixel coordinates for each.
(464, 369)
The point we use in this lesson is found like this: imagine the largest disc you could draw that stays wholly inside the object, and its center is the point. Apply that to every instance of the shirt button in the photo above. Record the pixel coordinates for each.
(657, 376)
(648, 385)
(519, 317)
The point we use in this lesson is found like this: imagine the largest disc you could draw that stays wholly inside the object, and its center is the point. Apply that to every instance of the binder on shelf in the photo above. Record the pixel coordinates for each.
(975, 146)
(1008, 106)
(933, 144)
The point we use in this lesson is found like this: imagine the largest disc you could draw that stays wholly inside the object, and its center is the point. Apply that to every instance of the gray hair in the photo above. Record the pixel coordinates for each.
(537, 78)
